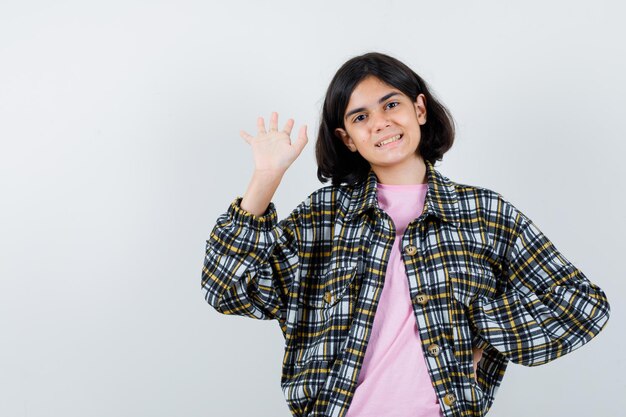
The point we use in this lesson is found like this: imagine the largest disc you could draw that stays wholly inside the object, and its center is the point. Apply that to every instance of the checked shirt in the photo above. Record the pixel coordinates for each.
(481, 274)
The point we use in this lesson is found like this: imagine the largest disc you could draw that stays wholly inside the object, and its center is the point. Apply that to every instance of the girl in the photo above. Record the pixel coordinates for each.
(399, 292)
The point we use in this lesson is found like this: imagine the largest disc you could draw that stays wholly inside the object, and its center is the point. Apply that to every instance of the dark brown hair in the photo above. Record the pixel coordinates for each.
(334, 159)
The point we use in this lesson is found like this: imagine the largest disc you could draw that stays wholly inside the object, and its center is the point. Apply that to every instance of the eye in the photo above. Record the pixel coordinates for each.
(392, 104)
(359, 118)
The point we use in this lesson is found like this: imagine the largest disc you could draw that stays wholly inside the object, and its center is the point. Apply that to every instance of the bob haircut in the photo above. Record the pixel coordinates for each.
(334, 159)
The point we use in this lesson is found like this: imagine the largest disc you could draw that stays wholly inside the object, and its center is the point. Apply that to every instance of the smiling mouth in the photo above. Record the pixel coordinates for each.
(388, 141)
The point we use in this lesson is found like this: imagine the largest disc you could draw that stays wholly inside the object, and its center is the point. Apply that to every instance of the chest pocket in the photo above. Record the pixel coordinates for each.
(469, 284)
(325, 310)
(326, 290)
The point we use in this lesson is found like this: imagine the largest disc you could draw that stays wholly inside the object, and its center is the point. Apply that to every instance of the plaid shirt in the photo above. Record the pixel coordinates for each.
(481, 274)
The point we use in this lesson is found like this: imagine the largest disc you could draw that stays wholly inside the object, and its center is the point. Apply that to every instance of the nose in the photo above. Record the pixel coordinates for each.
(379, 121)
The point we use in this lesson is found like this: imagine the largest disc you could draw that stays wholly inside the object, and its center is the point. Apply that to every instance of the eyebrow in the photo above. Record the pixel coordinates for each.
(360, 109)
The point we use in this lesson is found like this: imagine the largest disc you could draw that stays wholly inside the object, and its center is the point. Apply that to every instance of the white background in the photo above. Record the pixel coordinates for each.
(119, 127)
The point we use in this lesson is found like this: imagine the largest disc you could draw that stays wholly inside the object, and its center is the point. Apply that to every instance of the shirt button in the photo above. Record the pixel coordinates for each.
(328, 297)
(410, 250)
(449, 399)
(422, 298)
(434, 349)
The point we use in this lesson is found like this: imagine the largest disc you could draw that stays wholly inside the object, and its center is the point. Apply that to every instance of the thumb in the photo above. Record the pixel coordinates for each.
(302, 139)
(246, 136)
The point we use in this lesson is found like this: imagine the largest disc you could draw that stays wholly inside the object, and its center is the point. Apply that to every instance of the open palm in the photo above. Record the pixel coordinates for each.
(273, 150)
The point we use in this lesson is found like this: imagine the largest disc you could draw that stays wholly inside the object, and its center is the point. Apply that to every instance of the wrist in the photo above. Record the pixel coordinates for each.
(268, 174)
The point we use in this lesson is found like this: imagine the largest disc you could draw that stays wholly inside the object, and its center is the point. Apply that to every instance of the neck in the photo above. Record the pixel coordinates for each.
(410, 173)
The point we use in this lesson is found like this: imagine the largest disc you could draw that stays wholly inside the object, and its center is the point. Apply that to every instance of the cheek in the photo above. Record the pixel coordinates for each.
(359, 134)
(414, 124)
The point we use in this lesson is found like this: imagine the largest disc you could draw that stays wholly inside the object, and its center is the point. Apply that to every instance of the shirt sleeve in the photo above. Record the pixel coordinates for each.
(251, 262)
(549, 307)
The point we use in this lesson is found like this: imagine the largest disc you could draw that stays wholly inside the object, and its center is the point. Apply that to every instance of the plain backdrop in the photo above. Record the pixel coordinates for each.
(120, 147)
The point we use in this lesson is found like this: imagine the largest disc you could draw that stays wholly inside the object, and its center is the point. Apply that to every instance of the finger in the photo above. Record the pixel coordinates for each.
(302, 139)
(246, 136)
(274, 121)
(260, 125)
(288, 126)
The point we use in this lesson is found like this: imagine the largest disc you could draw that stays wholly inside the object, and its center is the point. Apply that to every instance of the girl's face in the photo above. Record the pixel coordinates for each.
(383, 125)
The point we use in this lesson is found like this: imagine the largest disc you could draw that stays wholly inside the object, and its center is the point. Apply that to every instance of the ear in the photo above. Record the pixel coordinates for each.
(420, 108)
(345, 138)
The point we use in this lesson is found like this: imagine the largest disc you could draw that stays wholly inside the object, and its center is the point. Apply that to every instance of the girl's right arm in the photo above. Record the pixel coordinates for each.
(251, 258)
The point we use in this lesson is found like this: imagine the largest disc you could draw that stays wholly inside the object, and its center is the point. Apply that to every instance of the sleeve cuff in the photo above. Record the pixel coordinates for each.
(267, 221)
(479, 343)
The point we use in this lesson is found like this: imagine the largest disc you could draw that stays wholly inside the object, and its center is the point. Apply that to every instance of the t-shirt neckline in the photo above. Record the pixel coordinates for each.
(401, 186)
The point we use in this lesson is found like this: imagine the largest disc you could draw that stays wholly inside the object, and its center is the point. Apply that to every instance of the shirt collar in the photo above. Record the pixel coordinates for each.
(441, 197)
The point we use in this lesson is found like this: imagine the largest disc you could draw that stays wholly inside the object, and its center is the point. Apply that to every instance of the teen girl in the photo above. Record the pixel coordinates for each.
(399, 292)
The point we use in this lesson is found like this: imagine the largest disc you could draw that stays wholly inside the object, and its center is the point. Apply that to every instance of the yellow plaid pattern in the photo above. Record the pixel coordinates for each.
(481, 274)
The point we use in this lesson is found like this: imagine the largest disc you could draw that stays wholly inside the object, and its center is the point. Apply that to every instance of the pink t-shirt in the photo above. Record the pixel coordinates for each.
(394, 380)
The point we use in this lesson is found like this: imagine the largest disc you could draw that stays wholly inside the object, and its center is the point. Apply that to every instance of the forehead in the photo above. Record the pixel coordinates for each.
(368, 91)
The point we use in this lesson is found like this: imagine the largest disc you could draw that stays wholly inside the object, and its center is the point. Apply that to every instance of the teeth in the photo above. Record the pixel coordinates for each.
(393, 139)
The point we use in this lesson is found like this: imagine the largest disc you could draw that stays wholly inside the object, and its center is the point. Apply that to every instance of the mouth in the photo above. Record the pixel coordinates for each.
(389, 140)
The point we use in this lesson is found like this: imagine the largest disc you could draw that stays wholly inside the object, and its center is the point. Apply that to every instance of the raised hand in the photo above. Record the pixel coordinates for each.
(273, 154)
(273, 150)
